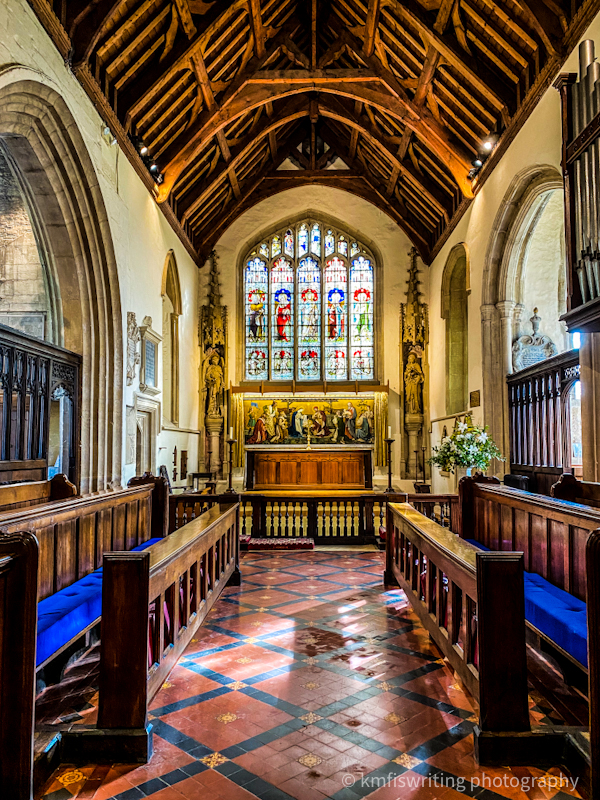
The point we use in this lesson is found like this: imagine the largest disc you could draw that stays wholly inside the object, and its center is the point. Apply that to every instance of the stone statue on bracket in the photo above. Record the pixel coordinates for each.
(133, 341)
(213, 336)
(414, 332)
(531, 349)
(413, 380)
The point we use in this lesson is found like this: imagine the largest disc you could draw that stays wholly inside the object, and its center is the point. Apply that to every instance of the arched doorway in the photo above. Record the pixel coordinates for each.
(41, 137)
(517, 270)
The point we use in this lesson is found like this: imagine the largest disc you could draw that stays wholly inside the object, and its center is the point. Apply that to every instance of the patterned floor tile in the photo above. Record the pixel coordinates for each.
(311, 681)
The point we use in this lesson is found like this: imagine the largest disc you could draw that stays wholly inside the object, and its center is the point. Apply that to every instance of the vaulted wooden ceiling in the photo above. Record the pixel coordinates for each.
(388, 99)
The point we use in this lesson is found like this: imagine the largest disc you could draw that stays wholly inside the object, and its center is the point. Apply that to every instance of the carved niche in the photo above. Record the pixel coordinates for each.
(213, 344)
(414, 333)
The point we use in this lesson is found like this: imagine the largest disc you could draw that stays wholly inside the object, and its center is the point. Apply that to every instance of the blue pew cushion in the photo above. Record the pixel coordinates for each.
(557, 614)
(65, 615)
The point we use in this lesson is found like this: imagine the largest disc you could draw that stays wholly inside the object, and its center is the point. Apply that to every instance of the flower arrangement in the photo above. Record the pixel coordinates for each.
(467, 446)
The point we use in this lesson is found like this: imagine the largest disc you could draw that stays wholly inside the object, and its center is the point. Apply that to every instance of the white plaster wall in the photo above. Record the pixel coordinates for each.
(538, 142)
(544, 274)
(141, 235)
(376, 229)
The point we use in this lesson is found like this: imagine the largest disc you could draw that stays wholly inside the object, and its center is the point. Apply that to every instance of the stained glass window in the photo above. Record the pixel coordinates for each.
(329, 243)
(309, 310)
(288, 243)
(309, 320)
(315, 240)
(282, 319)
(336, 290)
(303, 240)
(361, 320)
(256, 292)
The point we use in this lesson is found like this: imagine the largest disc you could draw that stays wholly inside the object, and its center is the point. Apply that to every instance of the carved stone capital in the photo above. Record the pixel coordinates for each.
(213, 424)
(506, 308)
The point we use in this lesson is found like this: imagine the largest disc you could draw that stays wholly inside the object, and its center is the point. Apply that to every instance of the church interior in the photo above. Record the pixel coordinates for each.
(299, 399)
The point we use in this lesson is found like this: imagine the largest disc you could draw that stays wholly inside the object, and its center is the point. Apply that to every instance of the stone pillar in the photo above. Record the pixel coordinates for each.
(214, 426)
(413, 424)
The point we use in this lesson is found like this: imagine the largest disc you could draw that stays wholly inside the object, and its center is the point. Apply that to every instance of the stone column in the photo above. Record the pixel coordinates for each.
(214, 426)
(413, 424)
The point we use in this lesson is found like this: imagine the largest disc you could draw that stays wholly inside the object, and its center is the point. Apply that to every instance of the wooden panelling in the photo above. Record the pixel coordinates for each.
(551, 533)
(74, 534)
(309, 469)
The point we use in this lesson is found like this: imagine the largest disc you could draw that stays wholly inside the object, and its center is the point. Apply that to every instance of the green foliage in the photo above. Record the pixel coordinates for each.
(467, 446)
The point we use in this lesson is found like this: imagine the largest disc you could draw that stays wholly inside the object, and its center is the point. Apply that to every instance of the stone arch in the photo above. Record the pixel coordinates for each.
(454, 305)
(39, 131)
(172, 309)
(502, 290)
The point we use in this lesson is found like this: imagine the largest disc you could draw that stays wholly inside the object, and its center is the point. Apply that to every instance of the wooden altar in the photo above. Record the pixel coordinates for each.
(320, 468)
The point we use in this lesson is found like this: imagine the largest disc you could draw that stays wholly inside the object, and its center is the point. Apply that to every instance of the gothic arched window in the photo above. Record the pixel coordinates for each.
(309, 306)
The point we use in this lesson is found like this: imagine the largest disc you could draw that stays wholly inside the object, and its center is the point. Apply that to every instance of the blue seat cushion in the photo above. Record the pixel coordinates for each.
(65, 615)
(477, 544)
(558, 615)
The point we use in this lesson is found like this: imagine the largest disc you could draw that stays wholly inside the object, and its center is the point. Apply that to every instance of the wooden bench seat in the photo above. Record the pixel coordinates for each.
(557, 616)
(35, 493)
(67, 615)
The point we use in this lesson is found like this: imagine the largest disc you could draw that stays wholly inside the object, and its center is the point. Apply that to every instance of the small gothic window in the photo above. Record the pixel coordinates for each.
(308, 317)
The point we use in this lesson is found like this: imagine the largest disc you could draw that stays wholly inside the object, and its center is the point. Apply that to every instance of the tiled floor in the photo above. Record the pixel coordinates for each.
(309, 682)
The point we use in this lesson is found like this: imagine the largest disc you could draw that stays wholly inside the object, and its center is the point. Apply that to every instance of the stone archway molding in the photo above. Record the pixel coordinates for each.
(502, 290)
(38, 128)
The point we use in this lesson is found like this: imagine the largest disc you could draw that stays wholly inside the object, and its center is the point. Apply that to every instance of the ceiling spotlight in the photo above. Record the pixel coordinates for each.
(153, 167)
(143, 150)
(159, 178)
(488, 145)
(477, 162)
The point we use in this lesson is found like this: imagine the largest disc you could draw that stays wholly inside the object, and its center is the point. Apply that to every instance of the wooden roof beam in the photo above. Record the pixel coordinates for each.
(86, 27)
(545, 23)
(185, 15)
(264, 88)
(371, 26)
(258, 30)
(482, 78)
(293, 110)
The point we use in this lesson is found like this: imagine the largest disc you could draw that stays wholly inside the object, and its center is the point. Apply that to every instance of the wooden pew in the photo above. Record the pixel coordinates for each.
(568, 487)
(459, 595)
(33, 493)
(74, 534)
(152, 604)
(18, 577)
(552, 534)
(472, 604)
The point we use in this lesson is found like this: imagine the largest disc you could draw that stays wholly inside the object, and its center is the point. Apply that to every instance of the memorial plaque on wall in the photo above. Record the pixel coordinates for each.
(150, 364)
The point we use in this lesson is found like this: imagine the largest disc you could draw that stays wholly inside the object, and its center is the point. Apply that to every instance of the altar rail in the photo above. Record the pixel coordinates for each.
(472, 605)
(551, 533)
(442, 508)
(343, 518)
(73, 534)
(152, 604)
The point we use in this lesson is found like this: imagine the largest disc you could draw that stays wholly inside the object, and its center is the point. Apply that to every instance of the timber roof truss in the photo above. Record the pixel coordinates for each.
(390, 100)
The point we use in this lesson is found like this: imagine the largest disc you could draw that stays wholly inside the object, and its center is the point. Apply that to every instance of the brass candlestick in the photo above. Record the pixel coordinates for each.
(389, 443)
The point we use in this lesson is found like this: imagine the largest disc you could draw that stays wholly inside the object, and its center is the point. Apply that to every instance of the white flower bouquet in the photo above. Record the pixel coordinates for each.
(467, 446)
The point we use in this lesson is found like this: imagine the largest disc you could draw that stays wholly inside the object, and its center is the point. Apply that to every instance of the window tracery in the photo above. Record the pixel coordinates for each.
(309, 306)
